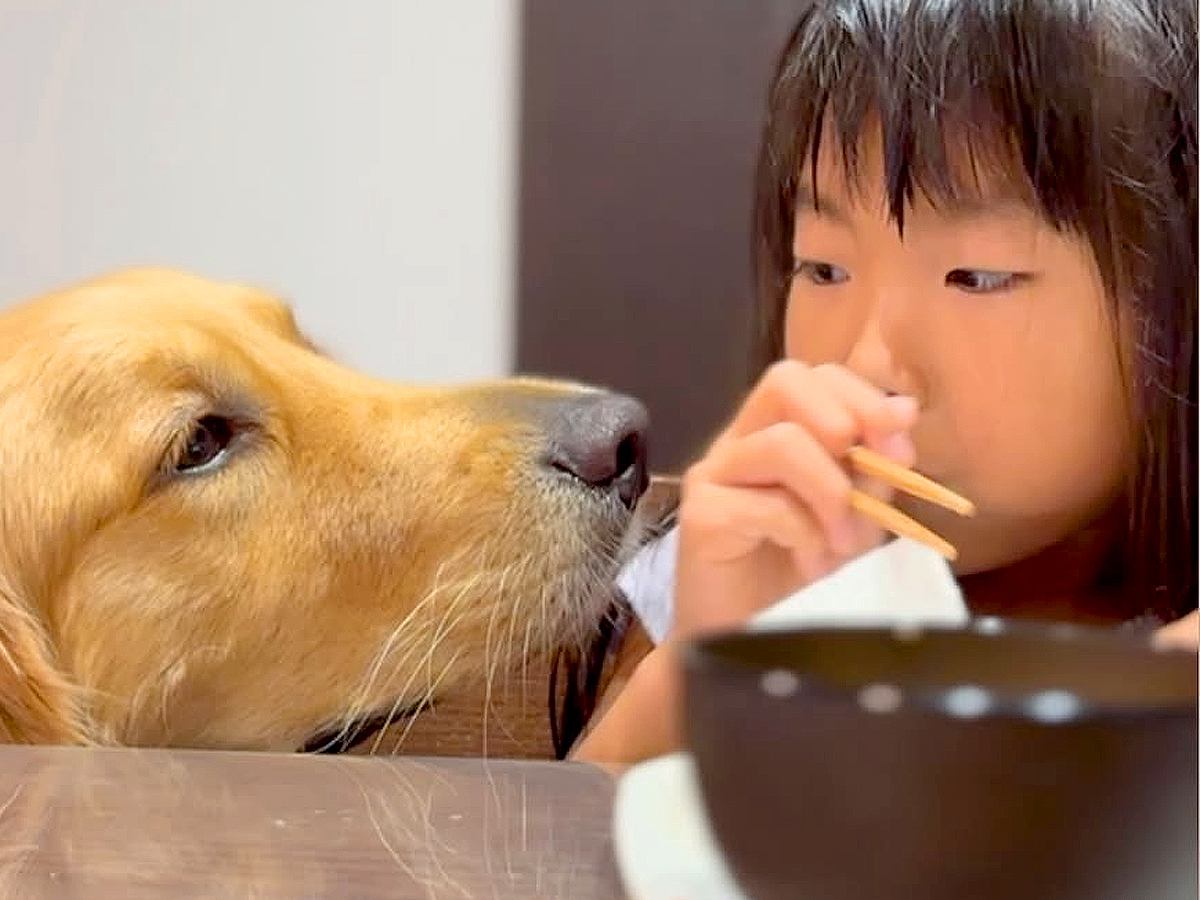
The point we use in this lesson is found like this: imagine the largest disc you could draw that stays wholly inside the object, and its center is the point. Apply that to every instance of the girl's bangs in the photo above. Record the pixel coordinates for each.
(967, 98)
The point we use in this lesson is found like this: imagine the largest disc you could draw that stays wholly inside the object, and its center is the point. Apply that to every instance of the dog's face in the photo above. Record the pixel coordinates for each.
(212, 535)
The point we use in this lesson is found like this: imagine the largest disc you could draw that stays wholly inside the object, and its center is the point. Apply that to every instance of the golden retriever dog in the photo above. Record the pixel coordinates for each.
(212, 535)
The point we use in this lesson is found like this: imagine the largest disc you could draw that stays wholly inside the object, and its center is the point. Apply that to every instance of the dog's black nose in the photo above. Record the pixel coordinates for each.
(600, 438)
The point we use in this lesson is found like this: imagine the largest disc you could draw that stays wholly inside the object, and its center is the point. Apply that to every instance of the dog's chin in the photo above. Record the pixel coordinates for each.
(585, 600)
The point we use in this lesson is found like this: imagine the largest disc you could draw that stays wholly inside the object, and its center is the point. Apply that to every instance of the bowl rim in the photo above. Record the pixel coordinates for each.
(704, 654)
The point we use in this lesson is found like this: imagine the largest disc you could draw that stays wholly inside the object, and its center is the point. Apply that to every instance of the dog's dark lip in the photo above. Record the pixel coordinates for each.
(345, 738)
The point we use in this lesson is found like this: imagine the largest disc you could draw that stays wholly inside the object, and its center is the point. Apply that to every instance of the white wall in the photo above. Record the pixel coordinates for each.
(358, 157)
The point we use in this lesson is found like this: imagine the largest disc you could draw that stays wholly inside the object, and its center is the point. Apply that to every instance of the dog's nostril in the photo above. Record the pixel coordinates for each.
(627, 452)
(600, 439)
(631, 478)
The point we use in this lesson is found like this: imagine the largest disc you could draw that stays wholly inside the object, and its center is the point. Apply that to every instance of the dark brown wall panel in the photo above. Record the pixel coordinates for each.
(639, 126)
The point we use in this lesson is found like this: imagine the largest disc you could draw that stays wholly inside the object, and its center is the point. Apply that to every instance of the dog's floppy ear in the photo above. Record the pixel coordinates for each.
(38, 701)
(37, 704)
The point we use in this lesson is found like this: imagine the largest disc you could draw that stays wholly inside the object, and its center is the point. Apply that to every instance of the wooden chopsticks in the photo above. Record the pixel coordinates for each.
(873, 464)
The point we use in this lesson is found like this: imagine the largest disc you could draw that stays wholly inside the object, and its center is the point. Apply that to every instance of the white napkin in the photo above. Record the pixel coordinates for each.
(664, 845)
(648, 581)
(901, 582)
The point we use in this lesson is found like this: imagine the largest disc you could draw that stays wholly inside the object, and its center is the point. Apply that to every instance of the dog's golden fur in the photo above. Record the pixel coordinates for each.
(363, 546)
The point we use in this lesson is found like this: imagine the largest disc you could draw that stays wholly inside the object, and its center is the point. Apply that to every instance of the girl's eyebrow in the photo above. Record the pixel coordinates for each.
(806, 201)
(995, 206)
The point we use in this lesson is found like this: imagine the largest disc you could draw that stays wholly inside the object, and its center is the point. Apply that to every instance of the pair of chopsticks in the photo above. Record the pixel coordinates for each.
(873, 464)
(870, 463)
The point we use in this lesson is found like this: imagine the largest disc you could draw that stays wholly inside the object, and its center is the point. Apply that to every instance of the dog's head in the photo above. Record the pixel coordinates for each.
(213, 535)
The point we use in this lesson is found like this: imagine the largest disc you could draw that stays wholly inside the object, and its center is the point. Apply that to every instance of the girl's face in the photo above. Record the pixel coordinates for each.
(997, 324)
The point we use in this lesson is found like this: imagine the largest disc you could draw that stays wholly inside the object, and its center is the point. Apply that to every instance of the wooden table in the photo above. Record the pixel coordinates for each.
(88, 823)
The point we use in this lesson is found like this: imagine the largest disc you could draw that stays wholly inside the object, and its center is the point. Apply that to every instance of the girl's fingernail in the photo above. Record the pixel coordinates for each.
(903, 408)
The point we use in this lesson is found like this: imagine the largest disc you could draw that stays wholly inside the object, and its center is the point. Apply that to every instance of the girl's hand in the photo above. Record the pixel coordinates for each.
(767, 510)
(764, 513)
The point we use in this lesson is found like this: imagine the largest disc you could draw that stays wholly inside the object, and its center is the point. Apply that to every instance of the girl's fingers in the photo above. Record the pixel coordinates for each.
(785, 455)
(879, 415)
(725, 523)
(740, 549)
(768, 510)
(867, 533)
(836, 406)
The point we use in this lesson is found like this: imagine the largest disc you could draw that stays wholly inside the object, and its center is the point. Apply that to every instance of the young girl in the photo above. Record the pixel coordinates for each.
(976, 244)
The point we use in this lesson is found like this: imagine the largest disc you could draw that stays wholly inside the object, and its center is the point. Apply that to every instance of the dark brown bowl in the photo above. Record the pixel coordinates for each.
(1003, 760)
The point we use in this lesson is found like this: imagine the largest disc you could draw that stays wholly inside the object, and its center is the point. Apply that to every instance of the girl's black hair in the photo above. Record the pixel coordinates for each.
(1089, 108)
(576, 674)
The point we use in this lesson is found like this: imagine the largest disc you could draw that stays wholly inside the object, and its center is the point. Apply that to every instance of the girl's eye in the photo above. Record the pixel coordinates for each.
(981, 281)
(820, 273)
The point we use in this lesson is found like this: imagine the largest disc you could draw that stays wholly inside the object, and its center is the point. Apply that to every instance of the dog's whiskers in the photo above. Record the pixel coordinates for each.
(560, 602)
(430, 643)
(430, 648)
(413, 631)
(425, 701)
(351, 718)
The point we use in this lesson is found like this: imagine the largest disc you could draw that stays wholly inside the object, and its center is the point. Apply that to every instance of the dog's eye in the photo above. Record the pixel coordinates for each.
(208, 440)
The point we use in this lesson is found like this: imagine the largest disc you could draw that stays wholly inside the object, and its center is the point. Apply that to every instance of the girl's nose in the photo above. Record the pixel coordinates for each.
(873, 357)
